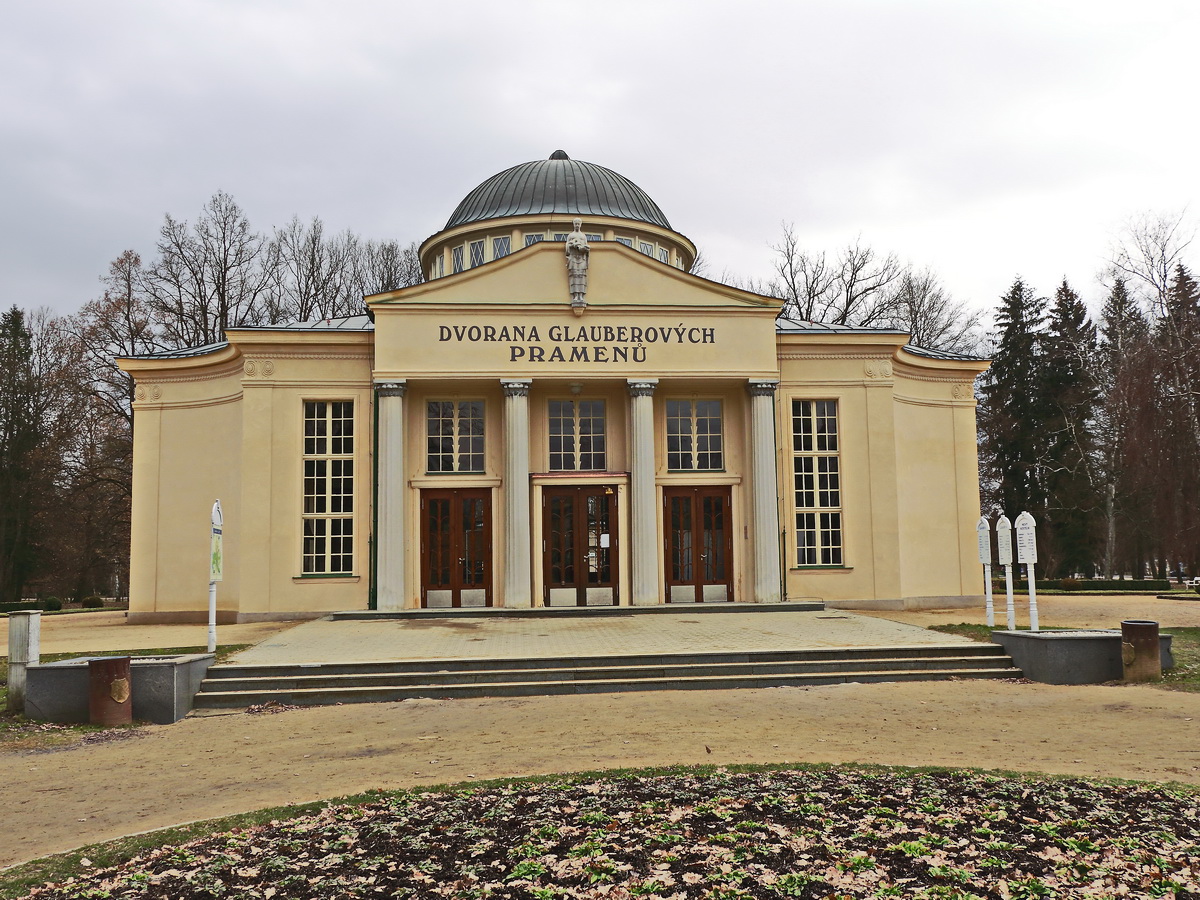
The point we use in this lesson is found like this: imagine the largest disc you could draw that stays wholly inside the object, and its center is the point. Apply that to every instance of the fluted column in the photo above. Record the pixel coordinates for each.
(390, 494)
(764, 487)
(643, 519)
(517, 546)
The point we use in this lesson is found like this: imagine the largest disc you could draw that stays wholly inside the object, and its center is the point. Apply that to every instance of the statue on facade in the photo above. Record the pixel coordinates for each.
(577, 266)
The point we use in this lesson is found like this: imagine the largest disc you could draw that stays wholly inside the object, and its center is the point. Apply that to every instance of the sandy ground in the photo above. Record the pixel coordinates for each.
(217, 765)
(1066, 611)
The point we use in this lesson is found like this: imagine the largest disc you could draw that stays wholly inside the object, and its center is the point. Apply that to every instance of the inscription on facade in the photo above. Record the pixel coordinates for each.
(577, 343)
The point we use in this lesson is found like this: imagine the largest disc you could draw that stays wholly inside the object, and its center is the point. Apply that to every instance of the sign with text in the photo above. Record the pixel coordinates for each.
(216, 556)
(1026, 539)
(1004, 541)
(984, 532)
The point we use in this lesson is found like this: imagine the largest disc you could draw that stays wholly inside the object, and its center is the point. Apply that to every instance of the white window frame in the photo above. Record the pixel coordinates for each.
(328, 463)
(573, 441)
(818, 492)
(697, 455)
(462, 458)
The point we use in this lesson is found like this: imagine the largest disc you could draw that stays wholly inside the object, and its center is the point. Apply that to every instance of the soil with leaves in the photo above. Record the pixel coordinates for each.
(813, 833)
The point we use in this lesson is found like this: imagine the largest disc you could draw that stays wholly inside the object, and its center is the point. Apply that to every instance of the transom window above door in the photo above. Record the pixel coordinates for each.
(694, 438)
(454, 436)
(577, 436)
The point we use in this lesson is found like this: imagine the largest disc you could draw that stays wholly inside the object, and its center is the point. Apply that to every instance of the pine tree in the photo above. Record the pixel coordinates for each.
(1012, 412)
(19, 438)
(1070, 463)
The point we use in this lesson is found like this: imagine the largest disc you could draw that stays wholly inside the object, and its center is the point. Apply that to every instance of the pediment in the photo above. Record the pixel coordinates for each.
(618, 276)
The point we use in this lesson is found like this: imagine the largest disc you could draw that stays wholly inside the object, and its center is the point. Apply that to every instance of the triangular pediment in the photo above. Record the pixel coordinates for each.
(618, 276)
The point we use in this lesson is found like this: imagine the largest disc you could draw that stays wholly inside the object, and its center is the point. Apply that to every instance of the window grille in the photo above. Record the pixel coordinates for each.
(328, 517)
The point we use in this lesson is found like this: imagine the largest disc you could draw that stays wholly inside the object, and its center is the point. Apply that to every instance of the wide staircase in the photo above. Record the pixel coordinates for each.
(233, 686)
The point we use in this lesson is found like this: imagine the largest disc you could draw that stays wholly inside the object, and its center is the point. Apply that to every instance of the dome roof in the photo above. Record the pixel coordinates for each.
(558, 185)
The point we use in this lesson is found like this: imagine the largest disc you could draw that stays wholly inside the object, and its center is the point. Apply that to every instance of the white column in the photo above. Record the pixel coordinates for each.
(390, 494)
(517, 538)
(764, 488)
(644, 539)
(24, 650)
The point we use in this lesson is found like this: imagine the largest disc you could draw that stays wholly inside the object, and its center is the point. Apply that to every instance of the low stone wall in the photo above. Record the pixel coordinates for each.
(902, 603)
(163, 688)
(1071, 657)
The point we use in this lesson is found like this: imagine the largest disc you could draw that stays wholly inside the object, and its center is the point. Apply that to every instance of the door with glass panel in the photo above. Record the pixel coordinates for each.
(699, 546)
(580, 556)
(456, 547)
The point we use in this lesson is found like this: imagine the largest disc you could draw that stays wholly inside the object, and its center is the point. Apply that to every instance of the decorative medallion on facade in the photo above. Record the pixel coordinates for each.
(963, 392)
(878, 369)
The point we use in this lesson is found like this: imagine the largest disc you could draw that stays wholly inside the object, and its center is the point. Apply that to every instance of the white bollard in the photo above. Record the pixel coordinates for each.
(24, 650)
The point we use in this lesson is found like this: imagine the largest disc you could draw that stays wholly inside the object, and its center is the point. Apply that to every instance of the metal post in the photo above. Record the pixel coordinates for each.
(987, 587)
(1012, 613)
(1033, 615)
(212, 617)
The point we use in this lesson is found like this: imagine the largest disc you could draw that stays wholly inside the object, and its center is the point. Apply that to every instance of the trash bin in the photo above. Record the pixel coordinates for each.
(110, 699)
(1140, 652)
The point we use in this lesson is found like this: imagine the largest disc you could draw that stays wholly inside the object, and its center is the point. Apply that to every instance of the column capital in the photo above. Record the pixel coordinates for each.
(642, 387)
(758, 388)
(390, 388)
(515, 388)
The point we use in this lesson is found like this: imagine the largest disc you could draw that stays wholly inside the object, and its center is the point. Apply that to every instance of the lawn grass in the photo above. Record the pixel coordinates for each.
(18, 732)
(1185, 647)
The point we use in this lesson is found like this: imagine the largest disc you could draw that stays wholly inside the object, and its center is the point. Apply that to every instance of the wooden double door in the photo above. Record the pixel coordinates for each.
(699, 544)
(579, 525)
(456, 548)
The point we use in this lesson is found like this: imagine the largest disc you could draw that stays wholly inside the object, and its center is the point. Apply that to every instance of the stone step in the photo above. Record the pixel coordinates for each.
(501, 674)
(235, 686)
(324, 696)
(465, 664)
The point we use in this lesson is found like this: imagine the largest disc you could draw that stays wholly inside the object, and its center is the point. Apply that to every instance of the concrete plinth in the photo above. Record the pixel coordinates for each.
(162, 687)
(1071, 657)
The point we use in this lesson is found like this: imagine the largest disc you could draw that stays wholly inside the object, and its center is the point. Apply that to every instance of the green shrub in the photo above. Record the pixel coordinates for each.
(51, 604)
(1070, 584)
(92, 602)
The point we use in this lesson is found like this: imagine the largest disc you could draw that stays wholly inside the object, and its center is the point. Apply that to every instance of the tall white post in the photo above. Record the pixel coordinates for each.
(767, 587)
(1027, 554)
(983, 531)
(24, 650)
(643, 518)
(390, 495)
(216, 572)
(1005, 555)
(517, 539)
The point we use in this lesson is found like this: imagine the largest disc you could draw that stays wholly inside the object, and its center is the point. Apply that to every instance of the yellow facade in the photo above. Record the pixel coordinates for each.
(615, 460)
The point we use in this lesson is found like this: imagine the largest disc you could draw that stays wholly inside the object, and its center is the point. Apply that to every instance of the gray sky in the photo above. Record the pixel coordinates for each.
(983, 139)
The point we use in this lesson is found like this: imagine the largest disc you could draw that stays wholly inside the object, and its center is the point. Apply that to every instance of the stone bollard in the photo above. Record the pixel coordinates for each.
(1140, 650)
(110, 700)
(24, 650)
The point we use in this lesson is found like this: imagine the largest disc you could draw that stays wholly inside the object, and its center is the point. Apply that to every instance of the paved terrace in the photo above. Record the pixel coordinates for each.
(505, 637)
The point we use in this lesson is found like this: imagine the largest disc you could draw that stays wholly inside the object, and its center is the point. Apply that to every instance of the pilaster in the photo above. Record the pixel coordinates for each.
(643, 519)
(390, 495)
(764, 489)
(518, 547)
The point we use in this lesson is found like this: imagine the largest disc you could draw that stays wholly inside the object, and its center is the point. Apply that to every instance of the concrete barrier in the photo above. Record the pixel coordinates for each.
(1071, 657)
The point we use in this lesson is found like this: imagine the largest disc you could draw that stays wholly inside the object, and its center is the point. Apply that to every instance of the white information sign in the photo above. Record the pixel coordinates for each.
(216, 564)
(984, 532)
(1026, 539)
(1004, 541)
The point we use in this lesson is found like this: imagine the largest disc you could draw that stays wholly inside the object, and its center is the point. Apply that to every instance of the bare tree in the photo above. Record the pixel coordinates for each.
(853, 289)
(933, 319)
(208, 277)
(385, 266)
(1148, 250)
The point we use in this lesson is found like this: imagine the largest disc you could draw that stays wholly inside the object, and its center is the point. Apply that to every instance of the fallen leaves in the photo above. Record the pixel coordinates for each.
(835, 832)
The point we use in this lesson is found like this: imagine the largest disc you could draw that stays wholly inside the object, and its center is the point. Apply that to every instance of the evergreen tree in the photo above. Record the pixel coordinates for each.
(1013, 411)
(1070, 463)
(19, 439)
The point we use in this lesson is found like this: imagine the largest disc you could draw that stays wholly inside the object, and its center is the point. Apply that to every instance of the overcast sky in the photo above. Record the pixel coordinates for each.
(983, 139)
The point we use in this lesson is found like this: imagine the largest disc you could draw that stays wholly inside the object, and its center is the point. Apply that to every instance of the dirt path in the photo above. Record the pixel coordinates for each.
(217, 765)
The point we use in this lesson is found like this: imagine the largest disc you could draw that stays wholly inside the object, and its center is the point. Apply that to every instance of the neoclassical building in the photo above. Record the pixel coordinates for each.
(560, 415)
